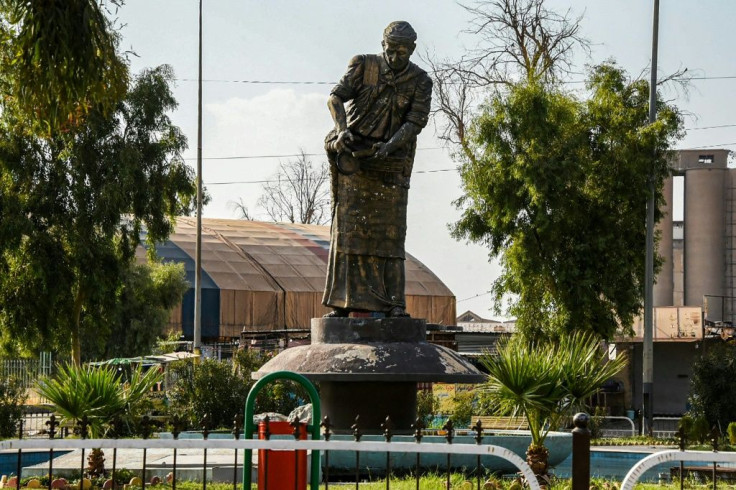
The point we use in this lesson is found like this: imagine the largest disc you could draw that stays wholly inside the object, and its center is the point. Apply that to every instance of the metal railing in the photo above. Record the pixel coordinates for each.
(665, 426)
(325, 446)
(682, 456)
(617, 432)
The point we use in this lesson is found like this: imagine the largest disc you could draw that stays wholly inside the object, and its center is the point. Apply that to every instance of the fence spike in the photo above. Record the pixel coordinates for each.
(715, 435)
(478, 429)
(83, 425)
(205, 424)
(327, 426)
(387, 432)
(357, 434)
(176, 426)
(449, 427)
(682, 438)
(52, 423)
(237, 425)
(146, 428)
(418, 427)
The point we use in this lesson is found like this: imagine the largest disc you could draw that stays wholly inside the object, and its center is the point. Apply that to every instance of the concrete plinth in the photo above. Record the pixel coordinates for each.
(370, 367)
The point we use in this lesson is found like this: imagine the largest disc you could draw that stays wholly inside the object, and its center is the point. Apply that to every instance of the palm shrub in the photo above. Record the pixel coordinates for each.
(545, 382)
(100, 393)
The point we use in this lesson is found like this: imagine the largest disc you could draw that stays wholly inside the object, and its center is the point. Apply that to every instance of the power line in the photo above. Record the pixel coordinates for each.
(269, 181)
(262, 82)
(473, 297)
(705, 147)
(316, 82)
(711, 127)
(294, 155)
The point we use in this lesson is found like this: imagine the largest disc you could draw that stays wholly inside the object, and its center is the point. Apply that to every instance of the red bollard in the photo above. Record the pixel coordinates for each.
(285, 470)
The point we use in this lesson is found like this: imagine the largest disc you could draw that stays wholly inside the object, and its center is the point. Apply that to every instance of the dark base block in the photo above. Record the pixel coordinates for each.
(372, 401)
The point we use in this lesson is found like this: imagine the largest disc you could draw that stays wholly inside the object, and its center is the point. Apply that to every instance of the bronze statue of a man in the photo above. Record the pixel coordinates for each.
(379, 107)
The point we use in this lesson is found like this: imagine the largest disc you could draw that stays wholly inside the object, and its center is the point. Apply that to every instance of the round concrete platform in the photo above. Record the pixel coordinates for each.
(373, 349)
(370, 367)
(375, 361)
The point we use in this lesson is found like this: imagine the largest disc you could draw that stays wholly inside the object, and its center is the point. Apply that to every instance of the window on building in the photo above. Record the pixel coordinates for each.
(707, 159)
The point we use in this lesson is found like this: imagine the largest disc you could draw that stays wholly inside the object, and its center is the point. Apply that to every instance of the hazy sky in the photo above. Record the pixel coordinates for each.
(311, 41)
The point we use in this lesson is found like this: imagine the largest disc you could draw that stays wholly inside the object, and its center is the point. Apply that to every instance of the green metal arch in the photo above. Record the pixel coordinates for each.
(250, 403)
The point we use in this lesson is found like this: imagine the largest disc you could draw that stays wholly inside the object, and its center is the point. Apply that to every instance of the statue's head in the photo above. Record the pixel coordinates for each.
(398, 44)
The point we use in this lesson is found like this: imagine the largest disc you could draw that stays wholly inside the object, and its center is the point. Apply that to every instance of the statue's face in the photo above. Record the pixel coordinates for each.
(397, 55)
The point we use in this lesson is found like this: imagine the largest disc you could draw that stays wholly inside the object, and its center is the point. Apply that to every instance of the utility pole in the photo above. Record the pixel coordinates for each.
(648, 347)
(198, 253)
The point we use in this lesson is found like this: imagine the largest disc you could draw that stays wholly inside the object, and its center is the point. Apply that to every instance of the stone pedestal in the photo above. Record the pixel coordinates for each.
(370, 367)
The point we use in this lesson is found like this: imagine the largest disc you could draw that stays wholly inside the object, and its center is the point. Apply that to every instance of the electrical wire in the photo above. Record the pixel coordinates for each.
(473, 297)
(310, 82)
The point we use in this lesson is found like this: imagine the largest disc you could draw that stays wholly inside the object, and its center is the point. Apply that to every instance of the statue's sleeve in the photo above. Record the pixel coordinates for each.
(421, 103)
(347, 87)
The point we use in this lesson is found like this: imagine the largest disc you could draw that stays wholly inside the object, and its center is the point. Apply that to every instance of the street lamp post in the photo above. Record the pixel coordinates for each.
(648, 350)
(198, 252)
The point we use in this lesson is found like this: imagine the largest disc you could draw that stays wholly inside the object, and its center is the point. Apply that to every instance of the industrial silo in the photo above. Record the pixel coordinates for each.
(664, 285)
(705, 235)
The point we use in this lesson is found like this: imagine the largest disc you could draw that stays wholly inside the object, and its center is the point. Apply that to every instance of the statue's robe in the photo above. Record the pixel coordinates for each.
(366, 261)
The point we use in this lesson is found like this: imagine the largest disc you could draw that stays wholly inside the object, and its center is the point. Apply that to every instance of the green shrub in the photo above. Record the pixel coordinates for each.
(427, 405)
(219, 390)
(700, 430)
(596, 422)
(12, 398)
(731, 432)
(712, 387)
(282, 397)
(462, 409)
(210, 388)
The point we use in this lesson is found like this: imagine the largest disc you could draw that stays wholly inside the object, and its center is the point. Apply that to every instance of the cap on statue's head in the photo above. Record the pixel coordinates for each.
(400, 32)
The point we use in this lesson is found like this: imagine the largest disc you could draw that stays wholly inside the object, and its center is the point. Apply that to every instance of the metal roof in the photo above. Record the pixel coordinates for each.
(259, 256)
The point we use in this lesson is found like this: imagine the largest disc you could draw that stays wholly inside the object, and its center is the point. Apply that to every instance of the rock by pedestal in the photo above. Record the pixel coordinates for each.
(370, 367)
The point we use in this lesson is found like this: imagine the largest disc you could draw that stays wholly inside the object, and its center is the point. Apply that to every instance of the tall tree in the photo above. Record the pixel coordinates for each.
(73, 206)
(298, 193)
(59, 60)
(557, 188)
(138, 314)
(555, 183)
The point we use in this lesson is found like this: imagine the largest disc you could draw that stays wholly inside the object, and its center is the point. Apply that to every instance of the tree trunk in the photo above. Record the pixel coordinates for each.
(76, 316)
(538, 459)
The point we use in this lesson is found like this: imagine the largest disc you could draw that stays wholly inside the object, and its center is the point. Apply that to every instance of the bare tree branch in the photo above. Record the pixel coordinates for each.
(241, 209)
(299, 193)
(517, 40)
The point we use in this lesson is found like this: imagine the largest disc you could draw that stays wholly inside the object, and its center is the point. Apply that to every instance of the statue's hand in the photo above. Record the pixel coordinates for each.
(343, 138)
(382, 150)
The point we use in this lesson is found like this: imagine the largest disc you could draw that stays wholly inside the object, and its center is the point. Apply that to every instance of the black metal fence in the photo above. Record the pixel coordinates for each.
(269, 448)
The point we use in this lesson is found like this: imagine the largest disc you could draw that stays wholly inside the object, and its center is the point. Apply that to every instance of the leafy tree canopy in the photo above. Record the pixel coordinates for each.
(139, 313)
(73, 206)
(556, 186)
(59, 61)
(712, 388)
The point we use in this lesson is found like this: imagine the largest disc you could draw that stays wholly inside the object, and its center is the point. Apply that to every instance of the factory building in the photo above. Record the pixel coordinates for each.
(695, 290)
